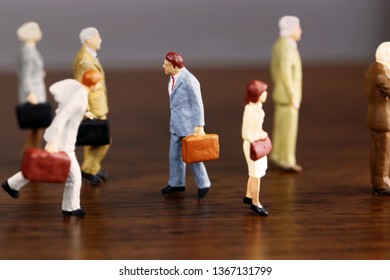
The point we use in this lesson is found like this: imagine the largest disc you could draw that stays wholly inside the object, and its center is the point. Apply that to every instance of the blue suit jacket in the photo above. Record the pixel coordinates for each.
(186, 105)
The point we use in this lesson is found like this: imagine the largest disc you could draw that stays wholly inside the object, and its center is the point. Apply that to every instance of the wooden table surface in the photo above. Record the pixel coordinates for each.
(326, 212)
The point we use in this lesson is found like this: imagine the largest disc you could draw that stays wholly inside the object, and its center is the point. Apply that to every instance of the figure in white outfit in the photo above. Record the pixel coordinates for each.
(252, 130)
(61, 135)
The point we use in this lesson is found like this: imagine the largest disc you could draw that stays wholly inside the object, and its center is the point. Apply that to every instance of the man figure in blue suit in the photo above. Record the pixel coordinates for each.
(187, 117)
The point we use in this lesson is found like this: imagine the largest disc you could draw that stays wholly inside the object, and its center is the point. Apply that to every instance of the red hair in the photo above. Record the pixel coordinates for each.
(176, 59)
(91, 78)
(254, 89)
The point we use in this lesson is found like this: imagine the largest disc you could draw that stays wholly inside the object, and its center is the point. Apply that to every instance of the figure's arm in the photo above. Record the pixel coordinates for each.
(383, 83)
(252, 127)
(197, 107)
(286, 73)
(54, 132)
(79, 69)
(27, 74)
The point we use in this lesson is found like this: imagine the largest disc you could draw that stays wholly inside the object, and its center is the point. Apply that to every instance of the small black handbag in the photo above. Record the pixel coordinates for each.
(34, 115)
(93, 132)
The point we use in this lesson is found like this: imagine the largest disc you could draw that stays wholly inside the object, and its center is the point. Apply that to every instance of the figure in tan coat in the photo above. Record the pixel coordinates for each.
(378, 118)
(86, 59)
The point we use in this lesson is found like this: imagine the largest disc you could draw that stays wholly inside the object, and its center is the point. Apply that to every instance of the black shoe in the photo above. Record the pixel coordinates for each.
(102, 175)
(202, 192)
(13, 193)
(93, 179)
(247, 200)
(79, 213)
(170, 189)
(261, 211)
(382, 192)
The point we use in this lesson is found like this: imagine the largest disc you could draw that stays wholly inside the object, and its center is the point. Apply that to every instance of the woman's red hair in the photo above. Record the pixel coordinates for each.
(254, 89)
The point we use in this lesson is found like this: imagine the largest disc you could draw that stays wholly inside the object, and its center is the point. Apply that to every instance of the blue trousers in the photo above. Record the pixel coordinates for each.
(177, 167)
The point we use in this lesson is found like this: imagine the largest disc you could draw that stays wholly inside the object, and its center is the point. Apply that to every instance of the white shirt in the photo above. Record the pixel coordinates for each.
(91, 52)
(170, 88)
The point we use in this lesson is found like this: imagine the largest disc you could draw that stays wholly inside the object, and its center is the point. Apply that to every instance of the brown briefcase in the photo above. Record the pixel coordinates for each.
(42, 166)
(200, 148)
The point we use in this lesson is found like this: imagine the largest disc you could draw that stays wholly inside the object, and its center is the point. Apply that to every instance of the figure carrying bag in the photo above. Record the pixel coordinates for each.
(42, 166)
(260, 148)
(33, 116)
(93, 132)
(200, 148)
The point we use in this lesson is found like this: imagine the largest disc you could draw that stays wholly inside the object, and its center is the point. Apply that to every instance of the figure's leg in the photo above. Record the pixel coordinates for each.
(93, 158)
(255, 192)
(17, 181)
(14, 184)
(380, 162)
(291, 136)
(89, 165)
(177, 167)
(37, 135)
(284, 138)
(248, 188)
(200, 173)
(71, 197)
(33, 139)
(201, 178)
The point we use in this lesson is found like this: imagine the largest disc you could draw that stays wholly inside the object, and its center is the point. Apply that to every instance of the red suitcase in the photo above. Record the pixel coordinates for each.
(200, 148)
(42, 166)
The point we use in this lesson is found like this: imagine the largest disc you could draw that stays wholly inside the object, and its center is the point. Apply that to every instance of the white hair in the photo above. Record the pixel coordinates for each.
(87, 33)
(382, 54)
(29, 31)
(288, 25)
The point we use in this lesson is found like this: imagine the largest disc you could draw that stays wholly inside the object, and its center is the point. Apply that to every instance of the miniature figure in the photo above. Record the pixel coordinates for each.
(187, 117)
(378, 118)
(72, 99)
(252, 130)
(31, 75)
(286, 71)
(97, 102)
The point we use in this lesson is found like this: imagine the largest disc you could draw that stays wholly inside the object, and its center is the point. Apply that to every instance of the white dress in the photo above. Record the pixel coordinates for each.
(252, 125)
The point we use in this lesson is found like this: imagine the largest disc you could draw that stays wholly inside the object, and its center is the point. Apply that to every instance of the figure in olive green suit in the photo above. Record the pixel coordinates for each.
(286, 74)
(97, 102)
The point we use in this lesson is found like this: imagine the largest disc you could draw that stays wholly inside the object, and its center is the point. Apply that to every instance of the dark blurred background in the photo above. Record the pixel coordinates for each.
(209, 33)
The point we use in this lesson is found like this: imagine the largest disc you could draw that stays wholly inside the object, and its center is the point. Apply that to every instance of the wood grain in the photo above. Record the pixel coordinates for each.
(326, 212)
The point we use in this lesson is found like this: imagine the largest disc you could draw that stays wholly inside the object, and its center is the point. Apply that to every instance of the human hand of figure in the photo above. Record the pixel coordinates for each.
(296, 104)
(89, 115)
(199, 130)
(263, 135)
(51, 148)
(96, 86)
(32, 98)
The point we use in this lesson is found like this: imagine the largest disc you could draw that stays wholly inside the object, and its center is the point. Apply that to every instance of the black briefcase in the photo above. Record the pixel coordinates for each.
(34, 115)
(93, 133)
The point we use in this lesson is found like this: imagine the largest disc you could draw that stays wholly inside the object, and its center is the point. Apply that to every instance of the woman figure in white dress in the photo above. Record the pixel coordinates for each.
(252, 130)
